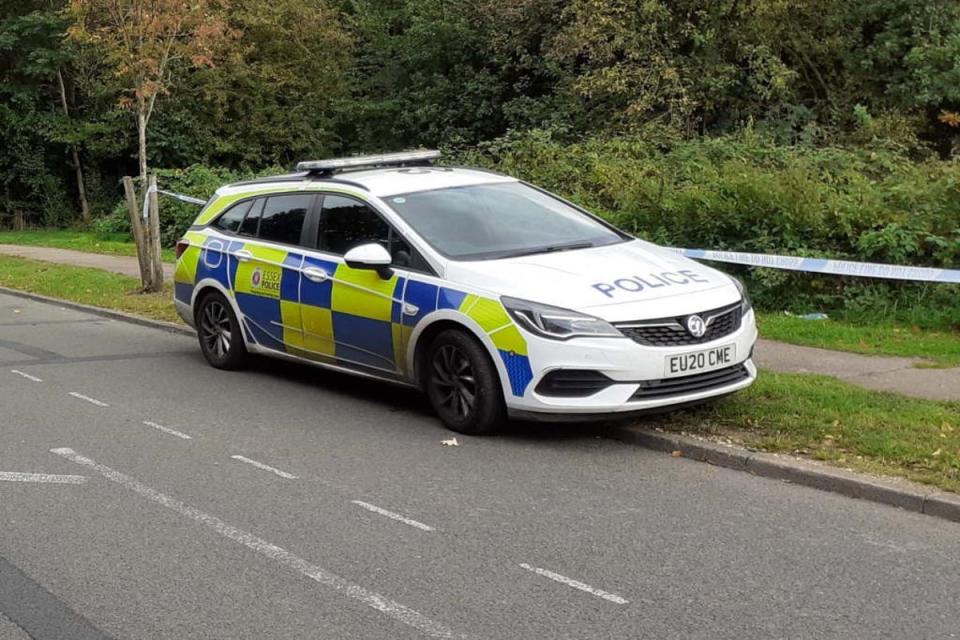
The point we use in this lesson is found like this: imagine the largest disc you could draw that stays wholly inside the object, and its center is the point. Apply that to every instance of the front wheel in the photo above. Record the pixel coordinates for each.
(221, 339)
(462, 384)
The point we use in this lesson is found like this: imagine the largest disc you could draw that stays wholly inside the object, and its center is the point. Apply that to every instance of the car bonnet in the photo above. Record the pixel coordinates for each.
(630, 281)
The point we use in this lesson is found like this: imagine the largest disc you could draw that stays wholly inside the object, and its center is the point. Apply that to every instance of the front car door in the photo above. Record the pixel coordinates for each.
(354, 315)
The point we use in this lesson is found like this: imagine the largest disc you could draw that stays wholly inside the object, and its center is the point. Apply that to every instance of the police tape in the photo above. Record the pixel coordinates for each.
(179, 196)
(183, 198)
(824, 265)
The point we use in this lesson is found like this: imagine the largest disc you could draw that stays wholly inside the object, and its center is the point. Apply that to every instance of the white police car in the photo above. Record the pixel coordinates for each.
(495, 297)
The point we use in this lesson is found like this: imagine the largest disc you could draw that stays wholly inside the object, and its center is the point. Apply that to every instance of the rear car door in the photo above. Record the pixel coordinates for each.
(354, 315)
(266, 260)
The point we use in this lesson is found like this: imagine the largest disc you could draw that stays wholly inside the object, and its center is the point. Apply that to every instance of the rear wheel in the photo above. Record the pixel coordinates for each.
(462, 384)
(221, 339)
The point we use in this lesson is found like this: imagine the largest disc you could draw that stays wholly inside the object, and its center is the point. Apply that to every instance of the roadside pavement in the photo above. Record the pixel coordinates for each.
(124, 265)
(880, 373)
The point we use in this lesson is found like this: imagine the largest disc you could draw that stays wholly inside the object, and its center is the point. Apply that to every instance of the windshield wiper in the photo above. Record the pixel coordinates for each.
(548, 249)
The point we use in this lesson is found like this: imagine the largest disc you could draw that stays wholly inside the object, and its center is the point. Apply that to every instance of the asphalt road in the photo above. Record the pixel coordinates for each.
(182, 502)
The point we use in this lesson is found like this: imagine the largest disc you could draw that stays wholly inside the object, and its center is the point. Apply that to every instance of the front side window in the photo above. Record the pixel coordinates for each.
(283, 216)
(502, 220)
(347, 223)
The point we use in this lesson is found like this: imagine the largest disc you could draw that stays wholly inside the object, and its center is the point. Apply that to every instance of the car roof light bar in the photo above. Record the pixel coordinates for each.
(406, 158)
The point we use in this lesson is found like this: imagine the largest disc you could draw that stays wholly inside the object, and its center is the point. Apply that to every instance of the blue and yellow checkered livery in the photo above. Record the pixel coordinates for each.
(354, 316)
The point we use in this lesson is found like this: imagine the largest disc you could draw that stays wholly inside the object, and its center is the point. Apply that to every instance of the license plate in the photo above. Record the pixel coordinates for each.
(685, 364)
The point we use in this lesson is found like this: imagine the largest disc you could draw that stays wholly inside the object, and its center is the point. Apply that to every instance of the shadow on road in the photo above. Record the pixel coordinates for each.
(397, 398)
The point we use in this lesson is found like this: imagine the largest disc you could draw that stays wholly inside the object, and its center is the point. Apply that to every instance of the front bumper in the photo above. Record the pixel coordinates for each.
(633, 369)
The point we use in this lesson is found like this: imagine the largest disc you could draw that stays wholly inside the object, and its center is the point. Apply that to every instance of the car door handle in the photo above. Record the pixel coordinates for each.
(315, 274)
(243, 255)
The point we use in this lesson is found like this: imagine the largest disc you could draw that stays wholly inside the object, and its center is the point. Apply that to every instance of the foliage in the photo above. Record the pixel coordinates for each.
(146, 42)
(272, 101)
(31, 128)
(808, 126)
(744, 193)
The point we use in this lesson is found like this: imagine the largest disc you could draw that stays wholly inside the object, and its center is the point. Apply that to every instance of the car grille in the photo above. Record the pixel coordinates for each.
(670, 332)
(685, 385)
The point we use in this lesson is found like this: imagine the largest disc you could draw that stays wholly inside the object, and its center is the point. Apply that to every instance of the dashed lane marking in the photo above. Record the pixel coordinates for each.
(88, 399)
(167, 430)
(265, 467)
(391, 514)
(26, 375)
(576, 584)
(13, 476)
(372, 599)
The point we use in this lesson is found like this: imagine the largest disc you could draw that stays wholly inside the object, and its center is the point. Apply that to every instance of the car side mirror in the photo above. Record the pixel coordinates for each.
(370, 256)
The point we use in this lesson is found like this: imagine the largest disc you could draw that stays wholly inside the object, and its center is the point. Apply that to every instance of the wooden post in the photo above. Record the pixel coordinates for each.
(136, 226)
(156, 264)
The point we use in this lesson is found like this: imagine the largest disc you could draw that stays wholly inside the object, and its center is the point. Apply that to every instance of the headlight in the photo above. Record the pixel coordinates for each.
(745, 303)
(557, 323)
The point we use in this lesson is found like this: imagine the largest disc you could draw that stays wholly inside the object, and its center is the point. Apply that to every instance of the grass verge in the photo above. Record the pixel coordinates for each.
(826, 419)
(87, 286)
(937, 348)
(78, 241)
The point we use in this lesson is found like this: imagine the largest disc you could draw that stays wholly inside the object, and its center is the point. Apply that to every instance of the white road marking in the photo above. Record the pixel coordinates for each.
(265, 467)
(391, 514)
(167, 430)
(576, 584)
(382, 604)
(26, 375)
(89, 399)
(12, 476)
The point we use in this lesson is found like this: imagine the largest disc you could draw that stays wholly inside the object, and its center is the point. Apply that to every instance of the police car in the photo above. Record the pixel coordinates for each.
(495, 297)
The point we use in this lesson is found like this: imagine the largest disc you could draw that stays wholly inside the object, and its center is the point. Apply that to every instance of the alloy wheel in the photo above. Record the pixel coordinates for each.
(215, 329)
(453, 378)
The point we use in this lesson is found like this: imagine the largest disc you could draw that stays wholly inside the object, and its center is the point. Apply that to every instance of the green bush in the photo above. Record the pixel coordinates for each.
(745, 193)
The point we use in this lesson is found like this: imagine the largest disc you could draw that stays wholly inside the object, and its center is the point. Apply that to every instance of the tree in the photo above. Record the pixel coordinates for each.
(35, 120)
(273, 101)
(146, 43)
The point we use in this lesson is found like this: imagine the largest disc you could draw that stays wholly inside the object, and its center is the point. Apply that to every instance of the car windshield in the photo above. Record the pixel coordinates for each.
(501, 220)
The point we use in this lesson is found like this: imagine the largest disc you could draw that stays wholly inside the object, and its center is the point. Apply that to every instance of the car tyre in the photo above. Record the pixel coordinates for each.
(219, 332)
(462, 384)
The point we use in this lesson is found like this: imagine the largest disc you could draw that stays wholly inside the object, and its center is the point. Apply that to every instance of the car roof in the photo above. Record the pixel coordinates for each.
(384, 182)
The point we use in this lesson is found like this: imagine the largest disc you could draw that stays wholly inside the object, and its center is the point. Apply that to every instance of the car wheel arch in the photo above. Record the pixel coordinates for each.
(207, 286)
(440, 321)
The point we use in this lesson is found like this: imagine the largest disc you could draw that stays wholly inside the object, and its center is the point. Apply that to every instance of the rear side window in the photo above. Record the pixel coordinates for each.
(231, 219)
(283, 216)
(252, 221)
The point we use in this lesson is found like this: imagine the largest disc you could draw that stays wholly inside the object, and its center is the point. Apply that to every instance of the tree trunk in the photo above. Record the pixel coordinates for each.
(81, 190)
(136, 226)
(156, 265)
(142, 139)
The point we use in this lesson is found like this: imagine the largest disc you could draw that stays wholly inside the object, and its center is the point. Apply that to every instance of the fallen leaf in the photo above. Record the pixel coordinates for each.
(452, 442)
(677, 454)
(937, 453)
